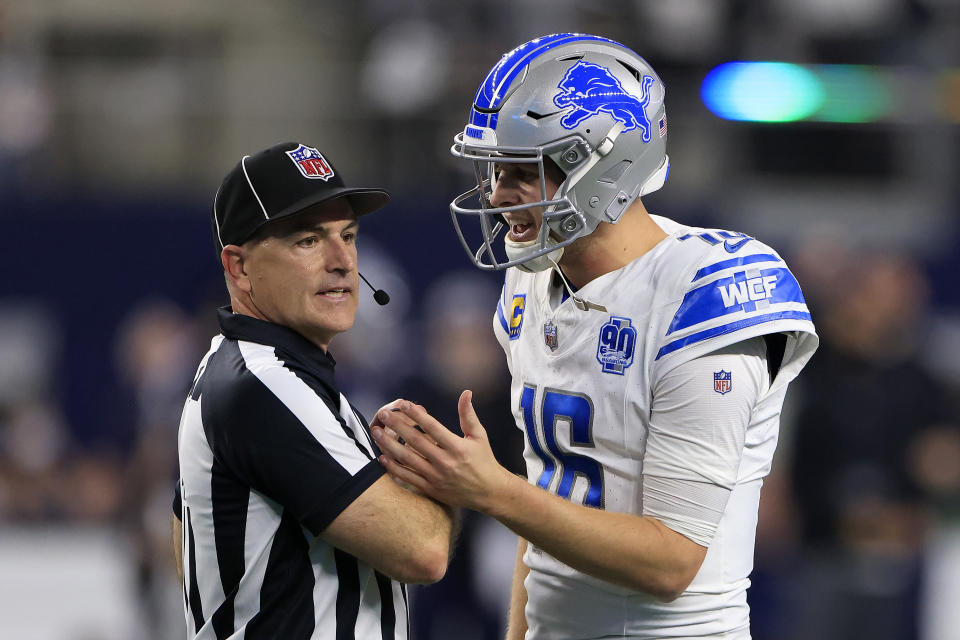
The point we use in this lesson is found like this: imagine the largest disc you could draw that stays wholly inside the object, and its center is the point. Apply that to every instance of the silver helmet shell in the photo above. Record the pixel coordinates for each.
(592, 106)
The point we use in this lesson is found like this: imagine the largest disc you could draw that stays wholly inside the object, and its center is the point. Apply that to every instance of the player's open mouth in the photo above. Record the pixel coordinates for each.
(520, 232)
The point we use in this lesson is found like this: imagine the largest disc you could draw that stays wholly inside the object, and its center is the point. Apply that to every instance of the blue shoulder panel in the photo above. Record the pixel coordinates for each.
(734, 262)
(730, 328)
(736, 293)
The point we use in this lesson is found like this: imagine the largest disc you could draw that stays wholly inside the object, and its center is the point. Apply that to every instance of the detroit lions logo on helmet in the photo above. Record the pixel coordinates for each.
(591, 89)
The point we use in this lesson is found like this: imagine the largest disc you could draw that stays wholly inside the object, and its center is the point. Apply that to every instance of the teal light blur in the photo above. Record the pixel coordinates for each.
(854, 93)
(785, 92)
(762, 91)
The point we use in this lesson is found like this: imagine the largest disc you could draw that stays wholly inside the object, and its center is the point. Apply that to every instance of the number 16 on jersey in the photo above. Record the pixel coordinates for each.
(576, 412)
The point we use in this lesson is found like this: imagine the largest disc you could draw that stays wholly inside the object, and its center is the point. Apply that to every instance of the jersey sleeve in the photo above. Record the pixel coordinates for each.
(696, 438)
(723, 298)
(501, 323)
(281, 438)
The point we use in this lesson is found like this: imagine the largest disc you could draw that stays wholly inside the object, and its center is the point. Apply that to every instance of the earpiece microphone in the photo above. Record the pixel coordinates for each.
(378, 294)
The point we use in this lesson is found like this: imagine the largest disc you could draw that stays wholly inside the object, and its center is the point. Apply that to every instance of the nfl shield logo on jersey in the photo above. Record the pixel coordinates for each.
(311, 163)
(550, 335)
(722, 381)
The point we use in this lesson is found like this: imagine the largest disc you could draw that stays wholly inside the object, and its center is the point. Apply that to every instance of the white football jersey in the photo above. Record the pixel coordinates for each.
(582, 394)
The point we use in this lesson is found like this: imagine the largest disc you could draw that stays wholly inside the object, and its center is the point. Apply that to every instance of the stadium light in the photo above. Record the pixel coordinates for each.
(786, 92)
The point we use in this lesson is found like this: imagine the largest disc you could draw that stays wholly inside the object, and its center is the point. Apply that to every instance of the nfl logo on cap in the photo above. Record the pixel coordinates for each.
(311, 163)
(722, 381)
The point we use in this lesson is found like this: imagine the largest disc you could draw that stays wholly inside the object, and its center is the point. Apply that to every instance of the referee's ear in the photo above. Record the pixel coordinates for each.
(232, 258)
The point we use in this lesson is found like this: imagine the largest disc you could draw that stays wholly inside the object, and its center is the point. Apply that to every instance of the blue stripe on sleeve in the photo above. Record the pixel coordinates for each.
(730, 328)
(502, 318)
(735, 293)
(734, 262)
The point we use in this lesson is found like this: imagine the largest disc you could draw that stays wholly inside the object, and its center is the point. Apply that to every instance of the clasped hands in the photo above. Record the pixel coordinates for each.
(460, 472)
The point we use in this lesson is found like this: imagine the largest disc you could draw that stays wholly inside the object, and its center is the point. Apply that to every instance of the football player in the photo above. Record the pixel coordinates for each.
(649, 360)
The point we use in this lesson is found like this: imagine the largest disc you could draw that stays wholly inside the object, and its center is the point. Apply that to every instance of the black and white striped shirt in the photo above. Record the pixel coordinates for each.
(270, 453)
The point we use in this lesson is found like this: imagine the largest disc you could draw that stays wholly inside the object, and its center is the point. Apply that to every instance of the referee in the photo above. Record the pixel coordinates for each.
(286, 526)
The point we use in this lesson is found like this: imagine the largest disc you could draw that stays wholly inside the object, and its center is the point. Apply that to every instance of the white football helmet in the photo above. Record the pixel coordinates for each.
(592, 106)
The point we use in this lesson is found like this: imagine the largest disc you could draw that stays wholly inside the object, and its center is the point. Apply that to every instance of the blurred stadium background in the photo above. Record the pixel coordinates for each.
(118, 119)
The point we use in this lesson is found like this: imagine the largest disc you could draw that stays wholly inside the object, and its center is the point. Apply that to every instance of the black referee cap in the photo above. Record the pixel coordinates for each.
(279, 182)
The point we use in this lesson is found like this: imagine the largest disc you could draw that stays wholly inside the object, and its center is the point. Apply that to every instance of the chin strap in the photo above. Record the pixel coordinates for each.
(580, 303)
(549, 261)
(516, 250)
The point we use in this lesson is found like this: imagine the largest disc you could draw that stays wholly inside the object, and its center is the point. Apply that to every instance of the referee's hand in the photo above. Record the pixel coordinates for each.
(454, 470)
(394, 407)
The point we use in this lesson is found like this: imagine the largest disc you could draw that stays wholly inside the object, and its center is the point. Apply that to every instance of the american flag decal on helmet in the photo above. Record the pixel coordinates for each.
(663, 125)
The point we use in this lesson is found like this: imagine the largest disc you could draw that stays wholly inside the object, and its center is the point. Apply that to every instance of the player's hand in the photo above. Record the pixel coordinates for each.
(461, 472)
